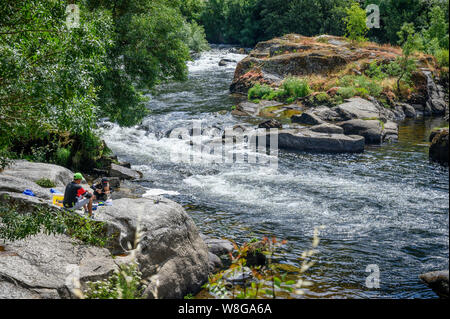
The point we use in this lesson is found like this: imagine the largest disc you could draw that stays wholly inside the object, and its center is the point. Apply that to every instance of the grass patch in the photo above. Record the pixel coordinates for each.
(259, 91)
(126, 283)
(17, 226)
(295, 87)
(45, 182)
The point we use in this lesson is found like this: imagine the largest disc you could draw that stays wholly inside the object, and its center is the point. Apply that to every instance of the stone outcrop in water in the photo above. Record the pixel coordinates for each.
(356, 116)
(438, 281)
(271, 61)
(173, 257)
(435, 102)
(439, 147)
(307, 140)
(329, 57)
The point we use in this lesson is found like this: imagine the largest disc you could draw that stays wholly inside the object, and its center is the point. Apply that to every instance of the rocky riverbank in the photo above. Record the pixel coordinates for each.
(173, 257)
(326, 116)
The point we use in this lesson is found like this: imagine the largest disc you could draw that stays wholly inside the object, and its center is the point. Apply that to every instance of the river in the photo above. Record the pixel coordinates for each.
(388, 206)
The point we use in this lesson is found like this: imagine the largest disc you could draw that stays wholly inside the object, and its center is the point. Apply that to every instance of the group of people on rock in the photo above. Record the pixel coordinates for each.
(76, 197)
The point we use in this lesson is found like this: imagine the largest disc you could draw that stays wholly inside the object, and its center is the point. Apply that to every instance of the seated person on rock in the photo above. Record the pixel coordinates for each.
(75, 197)
(102, 189)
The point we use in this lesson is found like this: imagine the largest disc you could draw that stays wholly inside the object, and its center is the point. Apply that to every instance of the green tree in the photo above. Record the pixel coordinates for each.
(436, 35)
(47, 70)
(393, 13)
(149, 48)
(410, 43)
(355, 23)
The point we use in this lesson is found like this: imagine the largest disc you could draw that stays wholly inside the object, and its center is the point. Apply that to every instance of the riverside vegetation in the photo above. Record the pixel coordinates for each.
(389, 81)
(15, 225)
(254, 275)
(58, 82)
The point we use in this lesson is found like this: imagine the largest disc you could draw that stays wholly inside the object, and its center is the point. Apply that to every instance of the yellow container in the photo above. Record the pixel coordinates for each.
(58, 200)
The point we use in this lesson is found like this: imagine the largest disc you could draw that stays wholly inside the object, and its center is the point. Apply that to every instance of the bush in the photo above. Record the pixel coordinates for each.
(442, 57)
(355, 23)
(194, 35)
(88, 149)
(362, 92)
(259, 91)
(393, 69)
(45, 182)
(295, 88)
(17, 226)
(374, 71)
(360, 85)
(5, 159)
(123, 284)
(371, 86)
(322, 97)
(62, 156)
(346, 92)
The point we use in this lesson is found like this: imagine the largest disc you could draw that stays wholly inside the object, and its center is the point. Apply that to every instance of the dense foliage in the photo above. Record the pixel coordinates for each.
(247, 22)
(15, 225)
(57, 80)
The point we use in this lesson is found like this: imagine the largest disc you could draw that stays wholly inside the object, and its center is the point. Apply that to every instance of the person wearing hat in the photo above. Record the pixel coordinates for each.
(102, 189)
(76, 197)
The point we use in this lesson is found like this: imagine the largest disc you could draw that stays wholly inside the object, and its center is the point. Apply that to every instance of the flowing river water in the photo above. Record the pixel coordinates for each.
(388, 206)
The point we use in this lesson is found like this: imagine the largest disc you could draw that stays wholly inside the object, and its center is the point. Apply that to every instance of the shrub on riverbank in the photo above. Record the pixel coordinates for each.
(16, 226)
(257, 281)
(291, 89)
(126, 283)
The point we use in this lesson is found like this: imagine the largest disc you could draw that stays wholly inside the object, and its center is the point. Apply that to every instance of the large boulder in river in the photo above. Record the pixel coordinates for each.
(306, 140)
(358, 108)
(436, 102)
(44, 267)
(372, 130)
(173, 257)
(438, 281)
(270, 124)
(439, 146)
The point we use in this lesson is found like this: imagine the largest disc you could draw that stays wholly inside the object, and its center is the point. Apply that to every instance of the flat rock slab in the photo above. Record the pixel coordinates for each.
(307, 118)
(327, 128)
(24, 203)
(372, 130)
(30, 171)
(42, 266)
(15, 184)
(173, 257)
(357, 108)
(310, 141)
